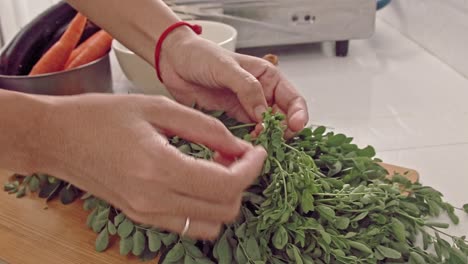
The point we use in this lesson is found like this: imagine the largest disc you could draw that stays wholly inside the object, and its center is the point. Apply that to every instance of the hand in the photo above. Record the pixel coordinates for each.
(198, 71)
(115, 147)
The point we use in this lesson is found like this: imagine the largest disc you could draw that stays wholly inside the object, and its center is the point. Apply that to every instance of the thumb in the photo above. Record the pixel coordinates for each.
(248, 89)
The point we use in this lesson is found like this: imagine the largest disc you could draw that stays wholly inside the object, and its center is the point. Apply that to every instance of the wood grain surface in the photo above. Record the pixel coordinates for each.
(30, 234)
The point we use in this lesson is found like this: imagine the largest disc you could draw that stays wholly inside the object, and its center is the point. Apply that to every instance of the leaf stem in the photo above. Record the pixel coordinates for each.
(446, 234)
(284, 181)
(242, 126)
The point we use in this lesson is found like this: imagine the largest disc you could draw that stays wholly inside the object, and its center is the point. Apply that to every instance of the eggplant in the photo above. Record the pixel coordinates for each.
(30, 43)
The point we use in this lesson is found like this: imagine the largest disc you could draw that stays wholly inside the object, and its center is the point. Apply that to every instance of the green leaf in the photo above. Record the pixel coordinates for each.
(111, 228)
(139, 242)
(326, 237)
(203, 261)
(336, 140)
(154, 241)
(280, 238)
(398, 230)
(437, 224)
(175, 254)
(102, 241)
(360, 216)
(50, 190)
(8, 187)
(360, 246)
(326, 212)
(224, 250)
(319, 130)
(34, 184)
(415, 258)
(147, 255)
(101, 220)
(68, 195)
(126, 245)
(21, 192)
(457, 257)
(368, 151)
(169, 239)
(189, 260)
(118, 219)
(297, 255)
(91, 217)
(389, 252)
(125, 228)
(465, 208)
(98, 224)
(453, 217)
(89, 204)
(240, 256)
(342, 223)
(252, 249)
(307, 202)
(192, 250)
(426, 240)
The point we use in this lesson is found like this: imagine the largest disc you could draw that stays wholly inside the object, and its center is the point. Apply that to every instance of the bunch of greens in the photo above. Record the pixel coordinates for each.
(319, 199)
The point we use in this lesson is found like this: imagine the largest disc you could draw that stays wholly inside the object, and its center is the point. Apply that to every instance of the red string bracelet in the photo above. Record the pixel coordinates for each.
(157, 53)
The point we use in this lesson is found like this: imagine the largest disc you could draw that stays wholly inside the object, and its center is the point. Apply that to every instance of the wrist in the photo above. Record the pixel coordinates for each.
(23, 120)
(177, 37)
(171, 44)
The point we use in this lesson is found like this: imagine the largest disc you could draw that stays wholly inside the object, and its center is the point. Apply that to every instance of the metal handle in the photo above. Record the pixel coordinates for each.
(1, 35)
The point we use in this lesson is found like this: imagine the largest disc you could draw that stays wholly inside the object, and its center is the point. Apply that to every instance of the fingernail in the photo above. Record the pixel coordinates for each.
(258, 111)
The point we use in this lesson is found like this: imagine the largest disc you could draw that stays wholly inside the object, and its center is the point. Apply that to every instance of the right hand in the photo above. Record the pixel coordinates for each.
(116, 148)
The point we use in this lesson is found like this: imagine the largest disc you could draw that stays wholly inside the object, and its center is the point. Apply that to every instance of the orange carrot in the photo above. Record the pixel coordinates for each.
(92, 49)
(55, 58)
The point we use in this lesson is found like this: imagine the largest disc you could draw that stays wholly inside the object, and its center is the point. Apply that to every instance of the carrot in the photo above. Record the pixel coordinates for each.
(55, 58)
(92, 49)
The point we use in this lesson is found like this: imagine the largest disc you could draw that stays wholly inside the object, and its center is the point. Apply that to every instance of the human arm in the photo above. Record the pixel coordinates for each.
(116, 148)
(195, 70)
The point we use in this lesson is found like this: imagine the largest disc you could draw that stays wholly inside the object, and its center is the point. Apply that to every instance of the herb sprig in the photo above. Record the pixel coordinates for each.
(319, 199)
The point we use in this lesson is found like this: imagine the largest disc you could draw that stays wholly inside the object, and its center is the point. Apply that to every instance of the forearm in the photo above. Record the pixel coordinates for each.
(136, 24)
(20, 133)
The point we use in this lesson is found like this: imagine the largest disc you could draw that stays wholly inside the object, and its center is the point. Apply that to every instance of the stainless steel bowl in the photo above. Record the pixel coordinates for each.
(94, 77)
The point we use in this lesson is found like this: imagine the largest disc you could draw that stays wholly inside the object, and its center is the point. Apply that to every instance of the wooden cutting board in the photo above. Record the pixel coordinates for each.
(30, 234)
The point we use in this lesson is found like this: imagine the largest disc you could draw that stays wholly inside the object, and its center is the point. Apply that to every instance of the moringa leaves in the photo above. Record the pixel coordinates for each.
(125, 228)
(102, 241)
(319, 199)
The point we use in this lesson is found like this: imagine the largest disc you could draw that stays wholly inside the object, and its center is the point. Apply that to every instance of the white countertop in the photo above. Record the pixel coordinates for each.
(389, 93)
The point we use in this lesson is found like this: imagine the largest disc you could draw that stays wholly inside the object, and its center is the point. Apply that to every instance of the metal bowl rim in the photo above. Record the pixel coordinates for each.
(39, 76)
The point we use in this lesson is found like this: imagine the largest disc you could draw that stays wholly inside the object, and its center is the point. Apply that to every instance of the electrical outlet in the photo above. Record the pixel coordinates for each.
(303, 18)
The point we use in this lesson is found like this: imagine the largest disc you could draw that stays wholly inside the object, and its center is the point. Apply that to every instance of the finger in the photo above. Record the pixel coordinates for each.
(278, 90)
(209, 99)
(288, 133)
(223, 160)
(197, 229)
(209, 181)
(256, 132)
(288, 99)
(265, 72)
(195, 126)
(248, 89)
(176, 204)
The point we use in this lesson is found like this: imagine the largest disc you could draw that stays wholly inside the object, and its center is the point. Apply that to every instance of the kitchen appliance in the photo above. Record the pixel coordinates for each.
(283, 22)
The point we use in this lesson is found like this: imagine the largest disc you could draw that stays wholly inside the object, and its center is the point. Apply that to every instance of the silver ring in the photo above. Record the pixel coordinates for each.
(186, 227)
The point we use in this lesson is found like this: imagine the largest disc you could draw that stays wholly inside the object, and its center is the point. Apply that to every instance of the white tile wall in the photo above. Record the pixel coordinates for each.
(440, 26)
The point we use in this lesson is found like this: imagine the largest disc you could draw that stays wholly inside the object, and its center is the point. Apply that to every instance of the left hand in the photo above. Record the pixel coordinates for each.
(195, 70)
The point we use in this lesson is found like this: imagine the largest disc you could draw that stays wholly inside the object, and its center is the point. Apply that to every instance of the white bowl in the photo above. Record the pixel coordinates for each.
(143, 75)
